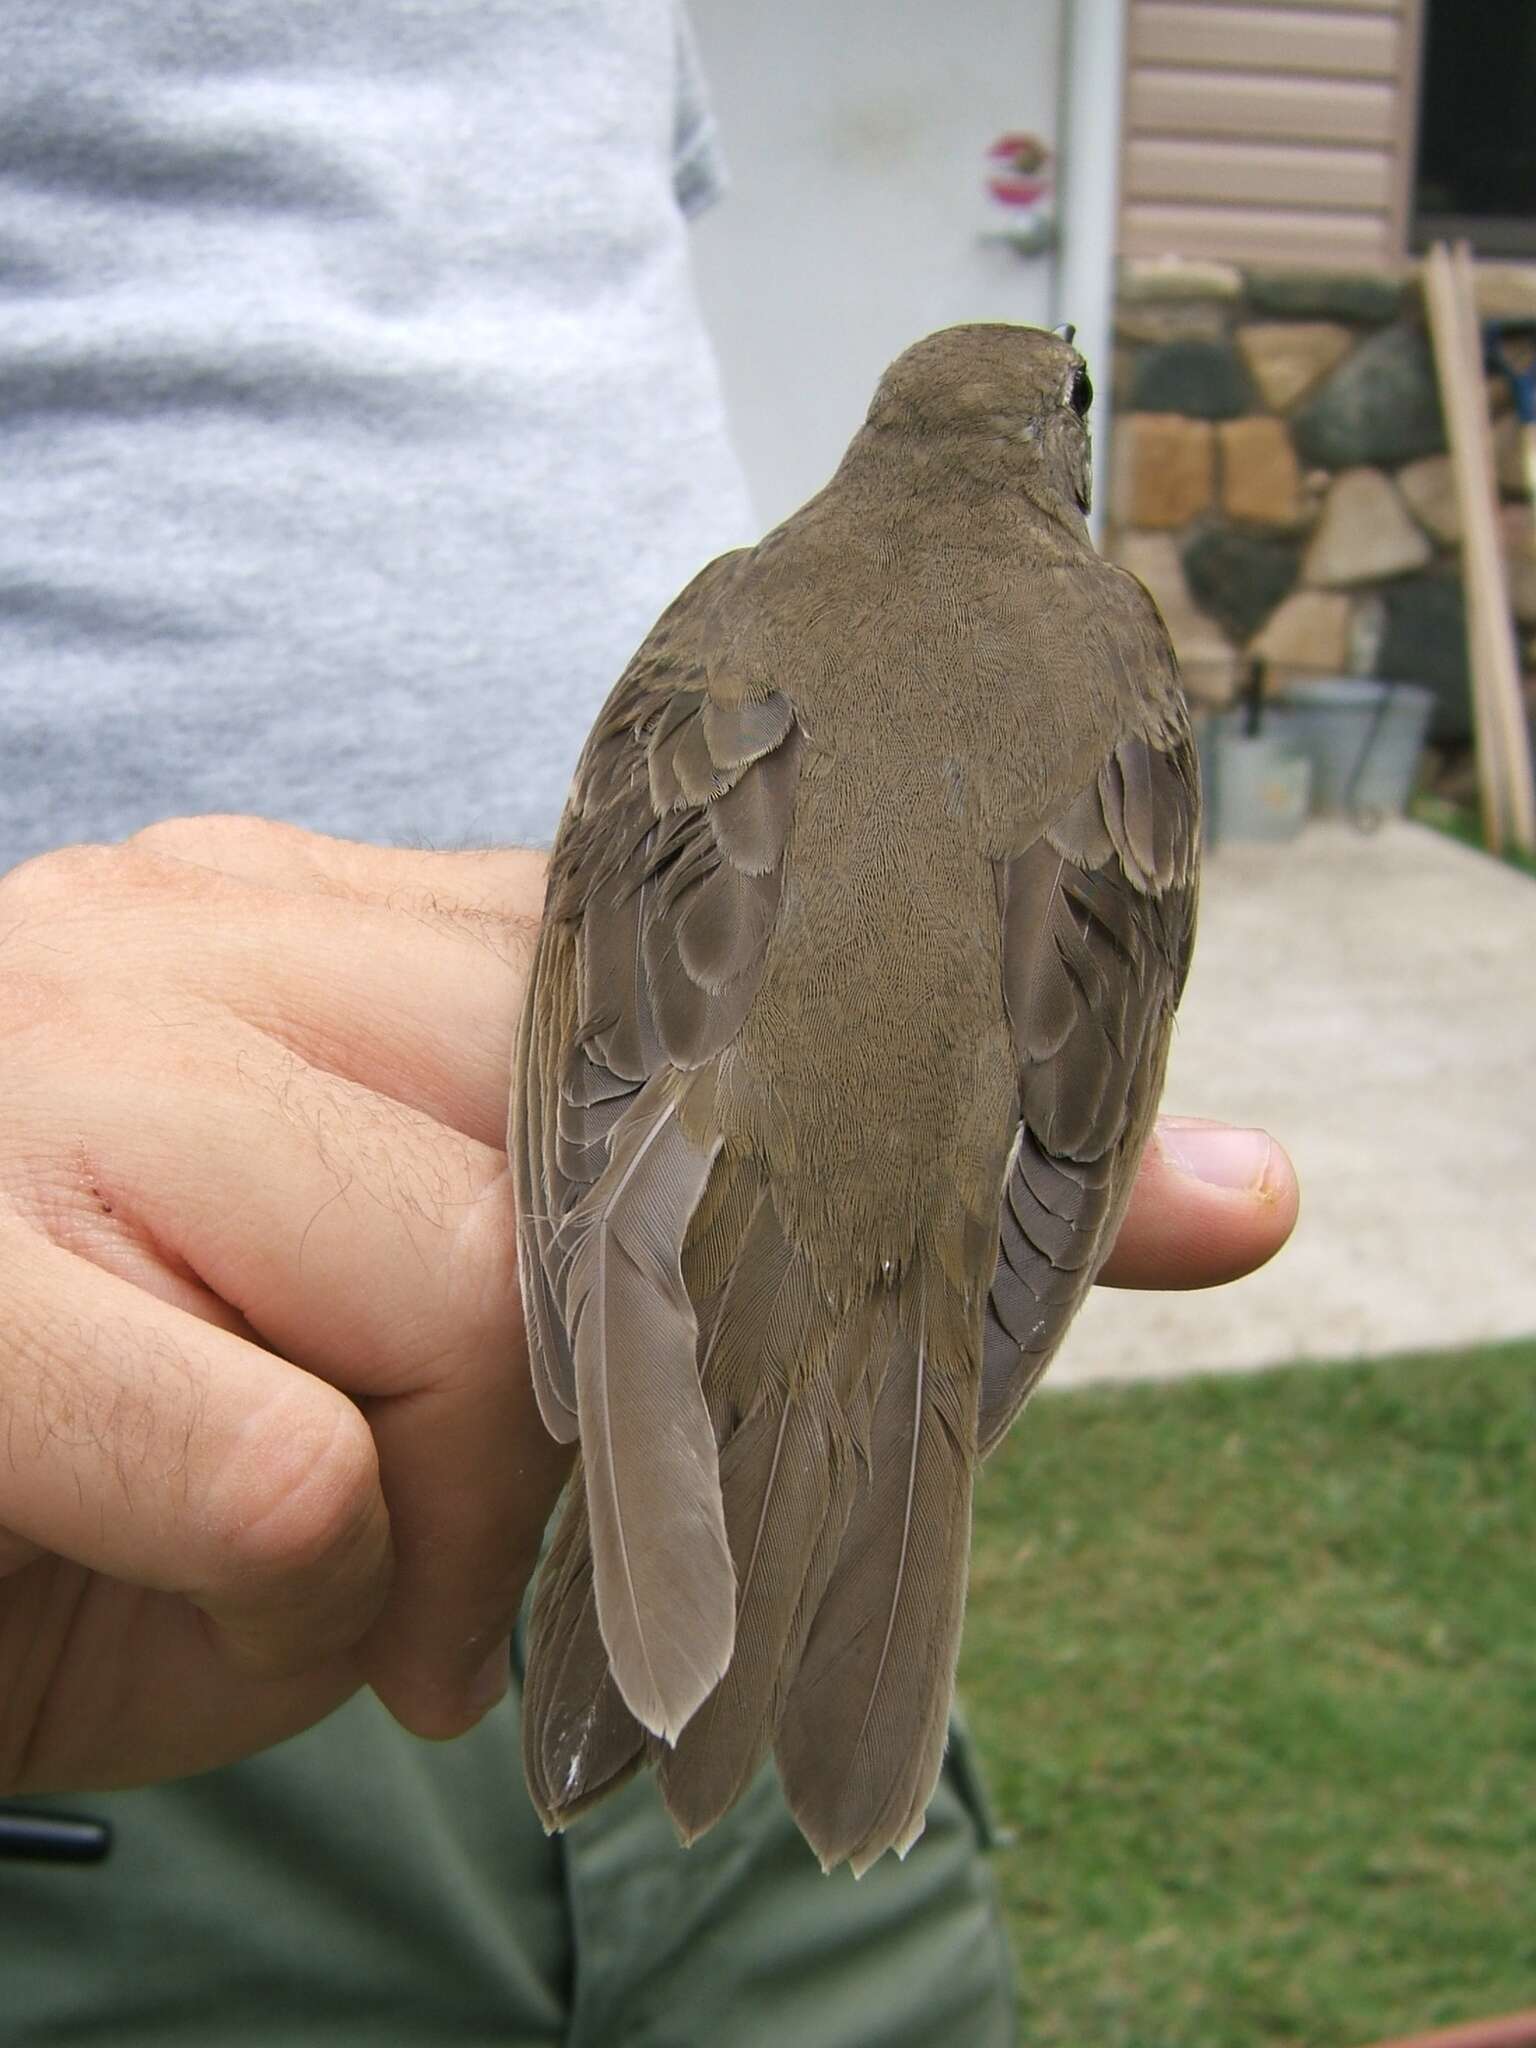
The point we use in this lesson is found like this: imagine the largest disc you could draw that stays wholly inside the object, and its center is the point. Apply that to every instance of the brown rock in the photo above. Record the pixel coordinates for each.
(1206, 656)
(1164, 469)
(1364, 534)
(1429, 485)
(1506, 291)
(1286, 358)
(1309, 631)
(1177, 277)
(1519, 525)
(1260, 480)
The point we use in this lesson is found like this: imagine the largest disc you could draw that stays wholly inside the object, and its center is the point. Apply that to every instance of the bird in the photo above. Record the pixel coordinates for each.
(866, 923)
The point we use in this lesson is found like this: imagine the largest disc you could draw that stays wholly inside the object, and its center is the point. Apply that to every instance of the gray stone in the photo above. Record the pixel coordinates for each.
(1324, 295)
(1203, 379)
(1239, 578)
(1424, 640)
(1155, 321)
(1381, 405)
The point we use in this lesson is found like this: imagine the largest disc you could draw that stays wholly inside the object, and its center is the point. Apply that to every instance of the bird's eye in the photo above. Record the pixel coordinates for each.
(1081, 395)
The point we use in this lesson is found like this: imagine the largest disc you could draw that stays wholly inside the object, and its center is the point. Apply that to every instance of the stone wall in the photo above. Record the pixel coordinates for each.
(1279, 477)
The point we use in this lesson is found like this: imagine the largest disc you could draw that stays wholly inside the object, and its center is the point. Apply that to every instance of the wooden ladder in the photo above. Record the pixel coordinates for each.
(1503, 742)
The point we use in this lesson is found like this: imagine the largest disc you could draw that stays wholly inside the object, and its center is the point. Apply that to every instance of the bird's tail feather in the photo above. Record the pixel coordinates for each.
(788, 1472)
(862, 1735)
(846, 1440)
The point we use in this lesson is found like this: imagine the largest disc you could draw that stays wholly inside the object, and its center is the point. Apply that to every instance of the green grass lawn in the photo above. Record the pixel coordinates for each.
(1461, 821)
(1252, 1663)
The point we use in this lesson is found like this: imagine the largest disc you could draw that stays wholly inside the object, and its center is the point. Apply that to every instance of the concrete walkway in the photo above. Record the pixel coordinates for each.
(1371, 1000)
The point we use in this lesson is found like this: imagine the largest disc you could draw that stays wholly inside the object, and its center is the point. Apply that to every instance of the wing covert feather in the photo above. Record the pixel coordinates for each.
(1098, 923)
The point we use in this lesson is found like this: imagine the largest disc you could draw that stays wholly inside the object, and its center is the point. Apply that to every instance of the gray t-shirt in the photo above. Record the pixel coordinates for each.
(357, 415)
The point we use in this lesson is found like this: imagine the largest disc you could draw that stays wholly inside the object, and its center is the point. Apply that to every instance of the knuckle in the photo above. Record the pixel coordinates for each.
(294, 1497)
(73, 885)
(205, 841)
(66, 924)
(51, 880)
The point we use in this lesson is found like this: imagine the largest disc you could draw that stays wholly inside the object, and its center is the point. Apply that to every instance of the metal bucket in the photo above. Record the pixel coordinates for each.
(1363, 739)
(1256, 786)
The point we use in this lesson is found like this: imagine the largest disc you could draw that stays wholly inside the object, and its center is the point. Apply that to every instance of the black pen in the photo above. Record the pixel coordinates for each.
(51, 1837)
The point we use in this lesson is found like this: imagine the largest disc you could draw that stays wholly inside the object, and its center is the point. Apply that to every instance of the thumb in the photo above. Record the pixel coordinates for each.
(1212, 1202)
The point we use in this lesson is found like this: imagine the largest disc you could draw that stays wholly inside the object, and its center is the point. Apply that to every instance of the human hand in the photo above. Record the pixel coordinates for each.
(266, 1428)
(268, 1432)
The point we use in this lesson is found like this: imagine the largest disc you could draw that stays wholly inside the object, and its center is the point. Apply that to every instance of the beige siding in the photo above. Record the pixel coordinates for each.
(1253, 38)
(1267, 134)
(1256, 174)
(1167, 102)
(1251, 234)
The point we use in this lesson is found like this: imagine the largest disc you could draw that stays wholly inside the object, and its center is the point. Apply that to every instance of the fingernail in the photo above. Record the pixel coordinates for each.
(1219, 1155)
(491, 1680)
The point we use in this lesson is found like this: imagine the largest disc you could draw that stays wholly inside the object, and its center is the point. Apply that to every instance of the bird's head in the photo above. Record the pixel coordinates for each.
(1011, 402)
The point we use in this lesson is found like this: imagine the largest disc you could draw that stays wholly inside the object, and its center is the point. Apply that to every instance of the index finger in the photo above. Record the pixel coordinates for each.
(464, 885)
(165, 1452)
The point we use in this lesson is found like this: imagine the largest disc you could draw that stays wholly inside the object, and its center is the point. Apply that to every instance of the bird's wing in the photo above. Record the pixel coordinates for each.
(1098, 923)
(664, 888)
(664, 884)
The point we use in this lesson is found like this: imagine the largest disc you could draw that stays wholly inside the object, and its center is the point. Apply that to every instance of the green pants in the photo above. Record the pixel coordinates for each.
(356, 1886)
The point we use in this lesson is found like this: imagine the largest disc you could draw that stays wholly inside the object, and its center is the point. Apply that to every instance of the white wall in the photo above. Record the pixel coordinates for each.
(855, 132)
